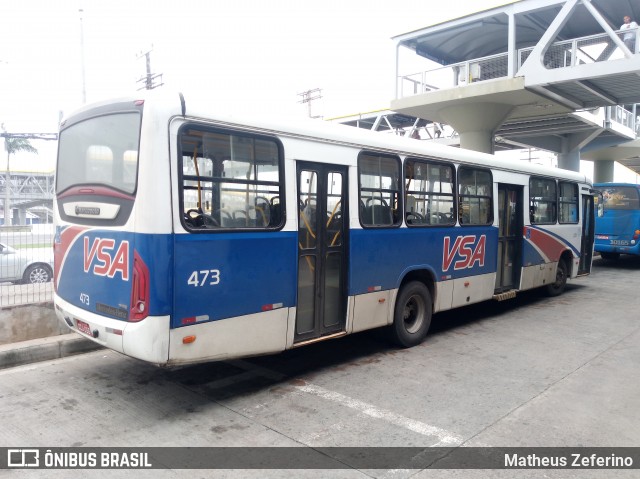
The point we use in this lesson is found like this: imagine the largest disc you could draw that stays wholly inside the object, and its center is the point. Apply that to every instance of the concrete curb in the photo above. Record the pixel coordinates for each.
(44, 349)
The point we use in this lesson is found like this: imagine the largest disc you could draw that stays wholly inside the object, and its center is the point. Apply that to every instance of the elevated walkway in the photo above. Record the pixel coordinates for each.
(551, 74)
(391, 122)
(31, 192)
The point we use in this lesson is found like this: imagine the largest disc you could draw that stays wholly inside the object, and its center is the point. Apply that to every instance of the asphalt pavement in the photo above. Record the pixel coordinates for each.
(528, 372)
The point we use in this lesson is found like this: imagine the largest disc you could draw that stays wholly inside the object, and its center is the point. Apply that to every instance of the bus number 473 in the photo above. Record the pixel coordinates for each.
(205, 277)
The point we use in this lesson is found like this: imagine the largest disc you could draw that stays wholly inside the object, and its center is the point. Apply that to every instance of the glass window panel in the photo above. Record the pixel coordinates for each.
(308, 223)
(542, 200)
(230, 181)
(305, 311)
(475, 190)
(428, 193)
(568, 202)
(100, 151)
(334, 209)
(379, 178)
(333, 290)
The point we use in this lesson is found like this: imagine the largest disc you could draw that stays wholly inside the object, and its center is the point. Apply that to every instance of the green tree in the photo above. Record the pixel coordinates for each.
(12, 146)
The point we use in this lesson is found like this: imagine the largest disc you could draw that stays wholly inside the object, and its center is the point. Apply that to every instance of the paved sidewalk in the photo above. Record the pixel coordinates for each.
(44, 349)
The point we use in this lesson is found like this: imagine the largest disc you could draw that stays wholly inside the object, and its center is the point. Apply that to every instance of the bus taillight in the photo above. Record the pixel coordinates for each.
(139, 290)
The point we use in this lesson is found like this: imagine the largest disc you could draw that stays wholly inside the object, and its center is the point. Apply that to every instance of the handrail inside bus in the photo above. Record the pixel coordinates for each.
(195, 162)
(333, 213)
(306, 223)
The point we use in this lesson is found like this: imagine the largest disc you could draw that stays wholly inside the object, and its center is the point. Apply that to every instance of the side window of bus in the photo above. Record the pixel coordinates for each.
(475, 191)
(428, 193)
(379, 179)
(230, 180)
(568, 202)
(542, 201)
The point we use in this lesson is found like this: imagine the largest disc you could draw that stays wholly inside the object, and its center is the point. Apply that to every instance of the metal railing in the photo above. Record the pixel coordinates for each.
(453, 75)
(591, 49)
(580, 51)
(26, 242)
(26, 264)
(622, 115)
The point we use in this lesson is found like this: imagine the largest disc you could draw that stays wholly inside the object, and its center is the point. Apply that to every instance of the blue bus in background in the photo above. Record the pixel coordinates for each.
(618, 220)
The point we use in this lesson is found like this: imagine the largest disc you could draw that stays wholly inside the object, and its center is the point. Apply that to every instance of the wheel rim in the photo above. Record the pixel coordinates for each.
(414, 313)
(39, 275)
(560, 276)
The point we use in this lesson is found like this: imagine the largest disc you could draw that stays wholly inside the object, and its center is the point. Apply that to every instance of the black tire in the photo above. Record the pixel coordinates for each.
(412, 314)
(37, 273)
(557, 288)
(610, 256)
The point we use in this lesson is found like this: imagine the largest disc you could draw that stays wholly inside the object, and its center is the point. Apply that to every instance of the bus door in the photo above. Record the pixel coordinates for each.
(322, 252)
(588, 233)
(509, 237)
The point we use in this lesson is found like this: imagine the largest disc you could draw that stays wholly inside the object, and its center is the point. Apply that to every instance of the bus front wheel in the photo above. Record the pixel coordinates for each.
(412, 314)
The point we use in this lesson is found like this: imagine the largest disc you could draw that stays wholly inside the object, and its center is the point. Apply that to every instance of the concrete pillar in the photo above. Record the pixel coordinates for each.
(477, 140)
(22, 216)
(569, 160)
(476, 123)
(603, 171)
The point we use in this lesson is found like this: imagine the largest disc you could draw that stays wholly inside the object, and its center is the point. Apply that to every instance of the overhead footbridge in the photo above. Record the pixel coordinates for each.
(550, 74)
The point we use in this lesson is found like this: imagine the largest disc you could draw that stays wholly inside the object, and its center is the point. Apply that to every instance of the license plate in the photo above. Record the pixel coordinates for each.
(84, 328)
(620, 242)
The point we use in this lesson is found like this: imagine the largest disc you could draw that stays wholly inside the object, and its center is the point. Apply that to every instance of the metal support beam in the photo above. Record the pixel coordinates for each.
(534, 60)
(598, 92)
(605, 25)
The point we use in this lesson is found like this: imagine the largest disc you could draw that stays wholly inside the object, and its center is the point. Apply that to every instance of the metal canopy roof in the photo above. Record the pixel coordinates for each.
(486, 33)
(382, 120)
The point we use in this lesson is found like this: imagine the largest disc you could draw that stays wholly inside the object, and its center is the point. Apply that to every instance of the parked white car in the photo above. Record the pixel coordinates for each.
(27, 266)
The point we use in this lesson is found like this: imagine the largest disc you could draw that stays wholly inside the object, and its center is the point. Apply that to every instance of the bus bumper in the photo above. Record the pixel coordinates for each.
(147, 340)
(604, 246)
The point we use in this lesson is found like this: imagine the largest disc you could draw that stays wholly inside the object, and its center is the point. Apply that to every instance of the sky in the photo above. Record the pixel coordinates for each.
(244, 55)
(249, 55)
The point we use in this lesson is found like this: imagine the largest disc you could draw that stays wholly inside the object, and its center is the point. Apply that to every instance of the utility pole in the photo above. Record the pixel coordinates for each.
(84, 79)
(7, 182)
(149, 80)
(308, 96)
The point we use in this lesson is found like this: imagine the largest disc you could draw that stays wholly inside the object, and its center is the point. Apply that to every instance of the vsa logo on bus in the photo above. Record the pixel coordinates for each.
(105, 260)
(466, 250)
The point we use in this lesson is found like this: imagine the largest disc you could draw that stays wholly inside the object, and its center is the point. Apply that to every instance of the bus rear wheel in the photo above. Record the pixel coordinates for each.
(556, 288)
(412, 314)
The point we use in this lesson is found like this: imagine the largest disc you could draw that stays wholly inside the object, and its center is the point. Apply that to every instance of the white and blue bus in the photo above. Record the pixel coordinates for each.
(186, 236)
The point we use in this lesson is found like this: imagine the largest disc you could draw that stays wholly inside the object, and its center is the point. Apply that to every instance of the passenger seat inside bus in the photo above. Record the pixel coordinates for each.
(275, 216)
(377, 212)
